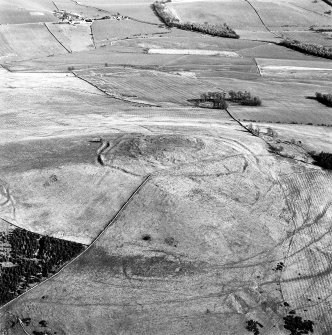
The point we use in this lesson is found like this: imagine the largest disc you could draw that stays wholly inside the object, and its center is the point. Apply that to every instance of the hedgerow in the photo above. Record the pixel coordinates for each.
(311, 49)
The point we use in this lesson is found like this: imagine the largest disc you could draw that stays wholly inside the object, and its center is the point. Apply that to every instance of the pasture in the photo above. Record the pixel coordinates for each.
(146, 86)
(106, 31)
(283, 102)
(194, 222)
(74, 38)
(28, 41)
(20, 12)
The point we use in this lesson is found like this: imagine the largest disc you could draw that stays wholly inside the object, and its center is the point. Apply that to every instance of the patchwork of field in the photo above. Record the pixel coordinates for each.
(286, 102)
(254, 15)
(191, 223)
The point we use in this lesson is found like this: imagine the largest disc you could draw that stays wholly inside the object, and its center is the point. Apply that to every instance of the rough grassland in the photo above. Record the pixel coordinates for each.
(203, 235)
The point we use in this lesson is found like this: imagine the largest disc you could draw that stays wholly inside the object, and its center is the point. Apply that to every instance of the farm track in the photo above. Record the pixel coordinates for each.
(101, 233)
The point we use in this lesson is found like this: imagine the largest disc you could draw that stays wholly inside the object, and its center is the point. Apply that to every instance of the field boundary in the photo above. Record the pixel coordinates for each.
(266, 27)
(137, 104)
(101, 233)
(69, 51)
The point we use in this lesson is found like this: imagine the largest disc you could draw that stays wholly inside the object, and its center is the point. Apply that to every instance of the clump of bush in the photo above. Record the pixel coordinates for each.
(323, 159)
(221, 30)
(311, 49)
(325, 99)
(244, 98)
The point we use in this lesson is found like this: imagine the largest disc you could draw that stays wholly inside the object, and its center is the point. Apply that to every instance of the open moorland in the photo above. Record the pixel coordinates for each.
(156, 178)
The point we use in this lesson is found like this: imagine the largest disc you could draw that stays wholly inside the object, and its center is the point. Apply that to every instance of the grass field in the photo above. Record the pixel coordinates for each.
(105, 31)
(74, 38)
(28, 41)
(139, 11)
(181, 39)
(19, 12)
(309, 37)
(194, 221)
(284, 102)
(237, 14)
(296, 69)
(287, 17)
(150, 87)
(79, 8)
(187, 248)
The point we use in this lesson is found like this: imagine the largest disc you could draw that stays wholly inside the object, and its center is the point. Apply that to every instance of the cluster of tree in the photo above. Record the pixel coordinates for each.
(252, 326)
(311, 49)
(244, 98)
(323, 159)
(34, 257)
(218, 99)
(325, 99)
(297, 326)
(221, 30)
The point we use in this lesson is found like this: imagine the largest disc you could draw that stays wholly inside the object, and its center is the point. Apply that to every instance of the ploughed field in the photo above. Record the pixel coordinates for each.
(129, 203)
